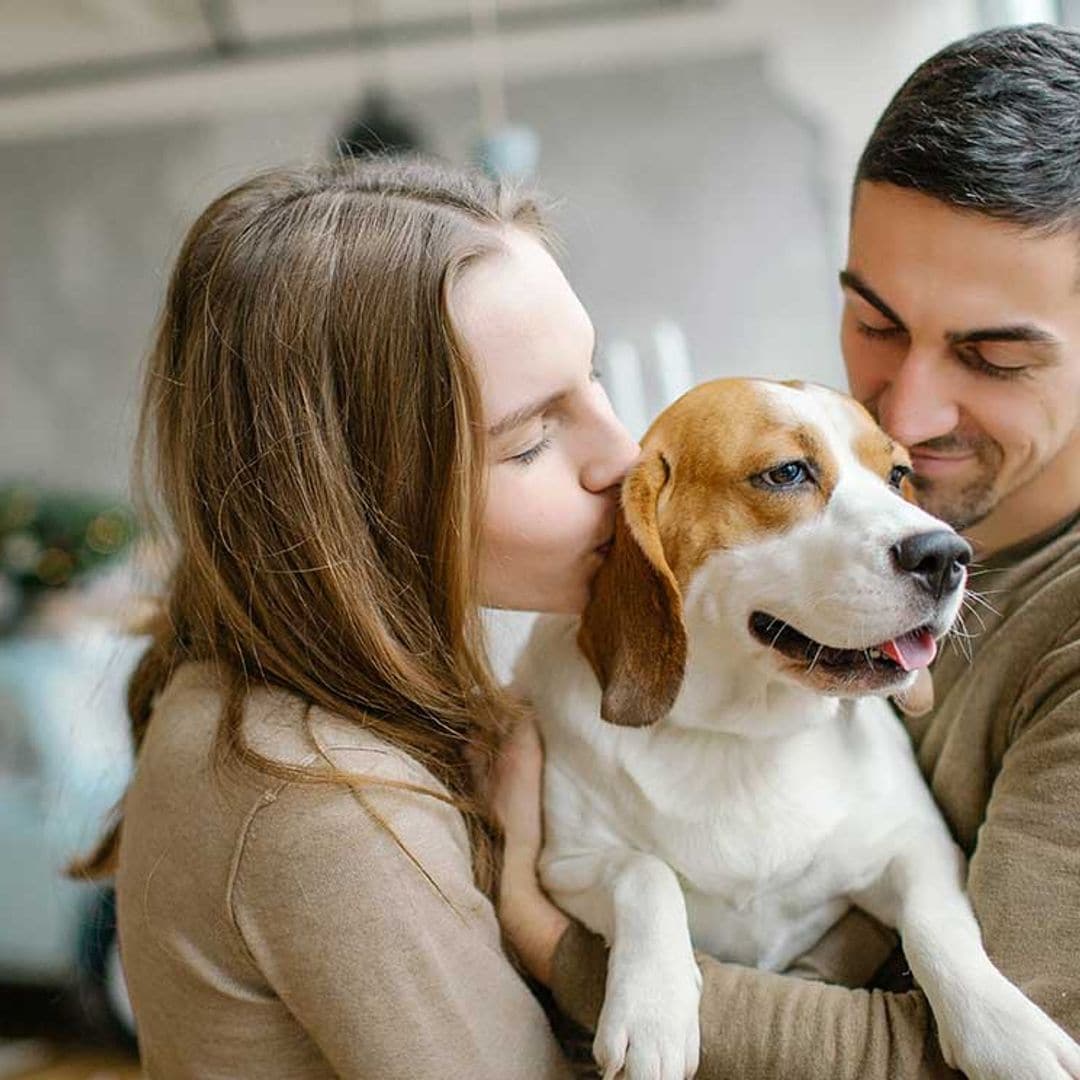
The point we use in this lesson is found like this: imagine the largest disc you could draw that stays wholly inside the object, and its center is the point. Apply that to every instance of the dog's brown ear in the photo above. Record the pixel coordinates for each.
(632, 631)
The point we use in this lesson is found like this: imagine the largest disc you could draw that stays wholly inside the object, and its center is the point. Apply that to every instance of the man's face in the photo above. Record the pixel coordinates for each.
(961, 334)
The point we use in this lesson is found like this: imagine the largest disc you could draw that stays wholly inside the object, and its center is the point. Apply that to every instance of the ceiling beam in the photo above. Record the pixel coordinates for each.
(228, 44)
(337, 74)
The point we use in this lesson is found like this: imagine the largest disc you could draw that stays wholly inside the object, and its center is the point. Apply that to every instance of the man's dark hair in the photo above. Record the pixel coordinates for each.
(990, 123)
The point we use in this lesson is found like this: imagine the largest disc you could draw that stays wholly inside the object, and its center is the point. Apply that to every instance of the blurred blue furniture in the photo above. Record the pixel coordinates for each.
(65, 759)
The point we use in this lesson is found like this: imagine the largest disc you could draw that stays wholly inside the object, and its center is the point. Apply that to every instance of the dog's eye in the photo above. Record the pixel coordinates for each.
(790, 474)
(896, 477)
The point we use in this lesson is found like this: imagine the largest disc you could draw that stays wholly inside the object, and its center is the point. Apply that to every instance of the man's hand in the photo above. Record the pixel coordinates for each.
(531, 923)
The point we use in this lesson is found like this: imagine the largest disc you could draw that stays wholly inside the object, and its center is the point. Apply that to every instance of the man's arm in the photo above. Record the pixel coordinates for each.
(1024, 875)
(757, 1025)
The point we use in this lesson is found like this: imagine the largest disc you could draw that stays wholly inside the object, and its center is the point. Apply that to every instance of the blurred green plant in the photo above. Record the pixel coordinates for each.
(51, 540)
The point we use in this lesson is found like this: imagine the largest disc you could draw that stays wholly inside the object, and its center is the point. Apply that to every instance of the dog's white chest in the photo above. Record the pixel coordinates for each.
(743, 824)
(738, 818)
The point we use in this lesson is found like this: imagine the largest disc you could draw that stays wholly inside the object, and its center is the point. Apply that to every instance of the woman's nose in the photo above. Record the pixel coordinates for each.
(612, 457)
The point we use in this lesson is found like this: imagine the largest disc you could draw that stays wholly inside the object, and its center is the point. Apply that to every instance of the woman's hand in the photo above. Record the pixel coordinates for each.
(531, 922)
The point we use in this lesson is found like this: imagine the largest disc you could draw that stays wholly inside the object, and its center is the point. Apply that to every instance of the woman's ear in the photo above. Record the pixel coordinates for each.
(632, 631)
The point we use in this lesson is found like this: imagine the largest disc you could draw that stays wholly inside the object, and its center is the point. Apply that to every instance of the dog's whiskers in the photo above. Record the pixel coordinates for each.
(968, 604)
(978, 599)
(962, 637)
(960, 630)
(978, 616)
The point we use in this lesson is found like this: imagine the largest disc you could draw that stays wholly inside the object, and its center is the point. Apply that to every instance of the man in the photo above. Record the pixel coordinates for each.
(961, 333)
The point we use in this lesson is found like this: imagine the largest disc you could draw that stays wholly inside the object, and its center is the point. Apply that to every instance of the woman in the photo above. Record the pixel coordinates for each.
(370, 409)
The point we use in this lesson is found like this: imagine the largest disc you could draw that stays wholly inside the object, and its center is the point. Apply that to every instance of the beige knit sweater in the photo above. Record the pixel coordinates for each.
(277, 930)
(271, 929)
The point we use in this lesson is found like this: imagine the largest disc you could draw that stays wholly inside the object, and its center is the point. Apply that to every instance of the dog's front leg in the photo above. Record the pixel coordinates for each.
(648, 1025)
(987, 1028)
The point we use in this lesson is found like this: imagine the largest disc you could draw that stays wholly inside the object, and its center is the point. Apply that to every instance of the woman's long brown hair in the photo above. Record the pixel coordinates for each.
(311, 427)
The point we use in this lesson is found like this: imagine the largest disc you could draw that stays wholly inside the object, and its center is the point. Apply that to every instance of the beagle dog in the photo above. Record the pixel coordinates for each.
(723, 771)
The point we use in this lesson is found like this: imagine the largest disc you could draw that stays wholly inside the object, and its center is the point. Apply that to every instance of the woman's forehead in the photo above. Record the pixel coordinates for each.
(524, 328)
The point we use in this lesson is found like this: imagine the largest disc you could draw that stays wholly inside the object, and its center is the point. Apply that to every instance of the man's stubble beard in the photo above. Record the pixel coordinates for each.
(974, 498)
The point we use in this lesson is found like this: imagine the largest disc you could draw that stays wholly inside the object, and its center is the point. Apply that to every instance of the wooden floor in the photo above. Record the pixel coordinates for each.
(42, 1061)
(40, 1039)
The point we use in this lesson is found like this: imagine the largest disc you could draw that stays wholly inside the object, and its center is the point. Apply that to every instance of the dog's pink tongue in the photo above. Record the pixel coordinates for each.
(912, 651)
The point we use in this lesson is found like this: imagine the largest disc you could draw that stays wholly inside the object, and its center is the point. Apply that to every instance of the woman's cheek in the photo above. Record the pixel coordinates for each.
(517, 505)
(542, 506)
(558, 507)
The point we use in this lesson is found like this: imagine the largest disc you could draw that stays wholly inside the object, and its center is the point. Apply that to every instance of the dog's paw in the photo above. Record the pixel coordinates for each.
(1003, 1035)
(648, 1027)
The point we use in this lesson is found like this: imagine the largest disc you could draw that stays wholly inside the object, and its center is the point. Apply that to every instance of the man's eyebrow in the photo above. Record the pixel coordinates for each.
(852, 281)
(1019, 332)
(524, 414)
(1022, 332)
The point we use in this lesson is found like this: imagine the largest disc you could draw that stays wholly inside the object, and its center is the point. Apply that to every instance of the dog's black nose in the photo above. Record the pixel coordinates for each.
(937, 559)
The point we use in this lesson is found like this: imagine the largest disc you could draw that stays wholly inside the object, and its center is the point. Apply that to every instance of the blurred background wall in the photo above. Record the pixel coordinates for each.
(688, 192)
(700, 153)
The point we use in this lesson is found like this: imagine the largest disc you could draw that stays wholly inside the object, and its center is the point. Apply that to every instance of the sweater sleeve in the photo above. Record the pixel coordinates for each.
(1024, 877)
(758, 1025)
(378, 941)
(850, 953)
(1022, 882)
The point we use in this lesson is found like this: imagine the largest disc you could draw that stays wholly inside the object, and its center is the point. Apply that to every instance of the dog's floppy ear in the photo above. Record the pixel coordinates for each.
(632, 631)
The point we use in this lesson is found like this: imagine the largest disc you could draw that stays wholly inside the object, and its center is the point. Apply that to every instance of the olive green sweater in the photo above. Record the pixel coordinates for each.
(1001, 751)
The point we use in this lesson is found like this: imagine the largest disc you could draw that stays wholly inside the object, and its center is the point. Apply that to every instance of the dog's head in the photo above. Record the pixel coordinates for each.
(782, 517)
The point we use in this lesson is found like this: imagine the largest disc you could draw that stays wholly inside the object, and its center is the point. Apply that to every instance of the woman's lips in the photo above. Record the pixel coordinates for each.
(603, 549)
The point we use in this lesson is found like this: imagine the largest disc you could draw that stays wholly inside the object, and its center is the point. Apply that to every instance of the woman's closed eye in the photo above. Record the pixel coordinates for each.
(563, 413)
(533, 441)
(526, 457)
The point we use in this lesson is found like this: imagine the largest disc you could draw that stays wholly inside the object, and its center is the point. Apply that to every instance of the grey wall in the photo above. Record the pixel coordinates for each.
(686, 192)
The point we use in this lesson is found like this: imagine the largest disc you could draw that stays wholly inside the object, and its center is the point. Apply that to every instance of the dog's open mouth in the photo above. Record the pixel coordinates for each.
(868, 667)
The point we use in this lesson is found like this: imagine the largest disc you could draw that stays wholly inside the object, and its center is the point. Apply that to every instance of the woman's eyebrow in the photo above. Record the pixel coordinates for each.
(852, 281)
(524, 414)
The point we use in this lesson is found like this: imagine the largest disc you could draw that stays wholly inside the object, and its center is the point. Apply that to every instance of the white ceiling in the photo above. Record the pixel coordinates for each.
(39, 38)
(72, 66)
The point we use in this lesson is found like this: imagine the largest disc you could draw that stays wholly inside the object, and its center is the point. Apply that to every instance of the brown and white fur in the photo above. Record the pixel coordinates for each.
(747, 787)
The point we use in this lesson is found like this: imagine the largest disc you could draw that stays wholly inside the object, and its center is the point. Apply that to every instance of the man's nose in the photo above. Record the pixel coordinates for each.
(612, 456)
(916, 404)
